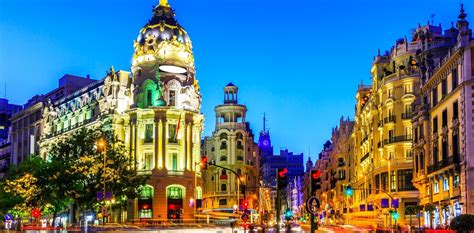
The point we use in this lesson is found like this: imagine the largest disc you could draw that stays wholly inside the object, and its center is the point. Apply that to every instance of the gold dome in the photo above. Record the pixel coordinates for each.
(164, 42)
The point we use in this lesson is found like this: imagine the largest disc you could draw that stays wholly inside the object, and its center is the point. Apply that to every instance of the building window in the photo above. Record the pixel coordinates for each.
(393, 180)
(435, 153)
(435, 187)
(435, 124)
(223, 202)
(444, 119)
(444, 148)
(223, 158)
(389, 93)
(456, 181)
(408, 153)
(455, 145)
(454, 79)
(404, 180)
(174, 161)
(148, 98)
(377, 182)
(445, 184)
(148, 133)
(444, 88)
(455, 110)
(148, 163)
(223, 187)
(172, 98)
(384, 179)
(172, 134)
(408, 88)
(434, 96)
(146, 192)
(223, 145)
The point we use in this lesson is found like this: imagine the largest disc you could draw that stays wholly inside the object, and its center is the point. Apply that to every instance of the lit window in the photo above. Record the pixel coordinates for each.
(456, 181)
(445, 184)
(435, 187)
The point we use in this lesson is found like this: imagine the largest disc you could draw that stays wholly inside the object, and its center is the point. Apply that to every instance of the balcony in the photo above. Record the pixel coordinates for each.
(231, 125)
(407, 115)
(175, 173)
(402, 138)
(389, 119)
(443, 163)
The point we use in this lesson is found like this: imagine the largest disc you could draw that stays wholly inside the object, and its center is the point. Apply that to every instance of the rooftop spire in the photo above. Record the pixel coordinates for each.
(462, 14)
(264, 122)
(164, 3)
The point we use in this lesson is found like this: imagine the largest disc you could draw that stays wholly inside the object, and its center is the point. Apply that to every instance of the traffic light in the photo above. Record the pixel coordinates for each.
(288, 214)
(245, 204)
(349, 191)
(282, 178)
(203, 162)
(395, 215)
(315, 180)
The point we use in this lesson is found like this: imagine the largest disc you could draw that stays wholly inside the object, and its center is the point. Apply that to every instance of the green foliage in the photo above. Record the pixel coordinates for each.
(463, 223)
(73, 173)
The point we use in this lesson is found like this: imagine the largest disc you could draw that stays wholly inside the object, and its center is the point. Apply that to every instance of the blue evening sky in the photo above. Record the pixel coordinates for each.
(300, 61)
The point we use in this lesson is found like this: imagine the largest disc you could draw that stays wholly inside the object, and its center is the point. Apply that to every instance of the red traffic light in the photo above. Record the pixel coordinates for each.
(282, 172)
(204, 162)
(36, 213)
(315, 174)
(245, 204)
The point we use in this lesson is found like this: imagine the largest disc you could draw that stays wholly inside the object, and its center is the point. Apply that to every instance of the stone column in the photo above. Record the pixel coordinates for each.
(156, 143)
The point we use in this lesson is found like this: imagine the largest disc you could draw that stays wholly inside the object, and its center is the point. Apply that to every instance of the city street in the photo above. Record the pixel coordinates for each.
(260, 116)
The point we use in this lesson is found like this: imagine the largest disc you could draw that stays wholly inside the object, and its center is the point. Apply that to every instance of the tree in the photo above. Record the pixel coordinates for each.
(463, 223)
(22, 189)
(71, 175)
(81, 168)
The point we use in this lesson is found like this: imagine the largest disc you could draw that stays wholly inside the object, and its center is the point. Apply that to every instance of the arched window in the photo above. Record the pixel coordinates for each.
(223, 136)
(223, 187)
(148, 93)
(223, 145)
(240, 136)
(146, 192)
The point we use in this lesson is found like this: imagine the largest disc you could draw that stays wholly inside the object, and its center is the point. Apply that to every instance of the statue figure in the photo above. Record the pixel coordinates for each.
(159, 89)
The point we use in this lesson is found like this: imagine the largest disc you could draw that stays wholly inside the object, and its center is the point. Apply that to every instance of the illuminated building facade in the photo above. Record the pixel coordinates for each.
(155, 110)
(27, 124)
(231, 146)
(338, 170)
(443, 139)
(382, 138)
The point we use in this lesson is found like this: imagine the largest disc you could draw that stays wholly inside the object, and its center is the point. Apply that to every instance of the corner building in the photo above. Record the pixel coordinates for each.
(164, 122)
(155, 110)
(382, 139)
(443, 126)
(231, 146)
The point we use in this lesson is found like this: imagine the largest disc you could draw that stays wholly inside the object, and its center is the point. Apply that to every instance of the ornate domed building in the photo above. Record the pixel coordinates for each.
(155, 110)
(165, 123)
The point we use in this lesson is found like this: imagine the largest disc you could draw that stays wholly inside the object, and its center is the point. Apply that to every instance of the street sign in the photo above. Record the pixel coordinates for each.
(312, 205)
(8, 217)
